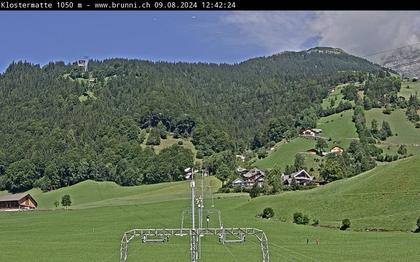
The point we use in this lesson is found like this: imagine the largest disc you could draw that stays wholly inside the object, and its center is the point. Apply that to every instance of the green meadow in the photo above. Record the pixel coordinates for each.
(337, 129)
(385, 198)
(409, 88)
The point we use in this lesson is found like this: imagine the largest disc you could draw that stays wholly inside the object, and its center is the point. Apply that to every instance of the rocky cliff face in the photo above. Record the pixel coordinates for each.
(405, 61)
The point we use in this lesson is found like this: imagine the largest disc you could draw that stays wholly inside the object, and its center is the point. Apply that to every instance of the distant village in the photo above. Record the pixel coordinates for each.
(248, 178)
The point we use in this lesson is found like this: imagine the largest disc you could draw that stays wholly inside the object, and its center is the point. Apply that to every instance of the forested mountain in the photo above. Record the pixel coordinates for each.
(60, 125)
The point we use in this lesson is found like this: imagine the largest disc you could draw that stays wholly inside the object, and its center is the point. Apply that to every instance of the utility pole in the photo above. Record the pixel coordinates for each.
(154, 235)
(194, 237)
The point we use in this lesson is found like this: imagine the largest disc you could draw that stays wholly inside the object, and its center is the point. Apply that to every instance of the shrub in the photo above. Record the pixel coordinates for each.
(316, 222)
(345, 224)
(305, 220)
(418, 125)
(180, 142)
(402, 150)
(268, 212)
(297, 218)
(262, 153)
(254, 192)
(66, 201)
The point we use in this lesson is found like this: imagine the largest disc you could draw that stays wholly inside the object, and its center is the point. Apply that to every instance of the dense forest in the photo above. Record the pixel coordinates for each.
(61, 125)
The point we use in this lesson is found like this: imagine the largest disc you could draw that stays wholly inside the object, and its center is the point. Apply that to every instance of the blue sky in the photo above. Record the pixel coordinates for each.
(40, 37)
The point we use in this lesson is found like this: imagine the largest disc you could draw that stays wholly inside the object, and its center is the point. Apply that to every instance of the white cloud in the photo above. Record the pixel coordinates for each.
(365, 33)
(358, 32)
(272, 31)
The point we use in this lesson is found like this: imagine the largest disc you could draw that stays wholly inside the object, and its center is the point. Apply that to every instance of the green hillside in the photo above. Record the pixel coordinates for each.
(93, 194)
(409, 88)
(337, 127)
(75, 125)
(284, 153)
(404, 131)
(336, 96)
(385, 197)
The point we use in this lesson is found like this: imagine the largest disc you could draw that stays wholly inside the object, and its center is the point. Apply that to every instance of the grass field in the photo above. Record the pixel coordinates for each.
(338, 127)
(169, 141)
(409, 88)
(336, 95)
(385, 197)
(403, 130)
(284, 153)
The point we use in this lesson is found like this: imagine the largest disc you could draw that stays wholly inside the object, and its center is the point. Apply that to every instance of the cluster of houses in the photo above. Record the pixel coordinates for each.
(254, 176)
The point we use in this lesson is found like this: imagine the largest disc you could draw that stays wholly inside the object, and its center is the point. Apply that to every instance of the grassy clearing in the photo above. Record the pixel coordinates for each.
(339, 127)
(169, 141)
(404, 131)
(335, 96)
(384, 197)
(408, 88)
(284, 153)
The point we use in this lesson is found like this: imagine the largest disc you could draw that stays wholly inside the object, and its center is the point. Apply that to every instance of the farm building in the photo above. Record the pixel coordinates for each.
(336, 150)
(313, 132)
(17, 201)
(312, 151)
(249, 178)
(301, 178)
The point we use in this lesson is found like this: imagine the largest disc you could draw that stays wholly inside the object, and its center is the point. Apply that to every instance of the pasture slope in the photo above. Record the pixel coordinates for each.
(338, 130)
(386, 197)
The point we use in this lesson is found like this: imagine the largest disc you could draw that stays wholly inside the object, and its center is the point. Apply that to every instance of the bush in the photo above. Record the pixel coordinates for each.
(255, 191)
(300, 219)
(180, 142)
(268, 212)
(305, 220)
(345, 224)
(316, 222)
(297, 218)
(66, 201)
(262, 153)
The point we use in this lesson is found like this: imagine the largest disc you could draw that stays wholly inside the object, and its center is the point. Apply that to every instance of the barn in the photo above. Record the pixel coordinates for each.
(17, 202)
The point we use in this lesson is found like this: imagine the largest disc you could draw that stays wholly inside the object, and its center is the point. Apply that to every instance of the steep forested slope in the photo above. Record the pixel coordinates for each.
(60, 125)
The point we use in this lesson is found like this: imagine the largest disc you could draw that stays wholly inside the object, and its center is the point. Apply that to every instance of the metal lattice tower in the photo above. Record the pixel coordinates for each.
(162, 235)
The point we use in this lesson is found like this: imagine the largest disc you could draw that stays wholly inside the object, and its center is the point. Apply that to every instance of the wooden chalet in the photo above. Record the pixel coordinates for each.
(312, 132)
(301, 178)
(249, 178)
(17, 202)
